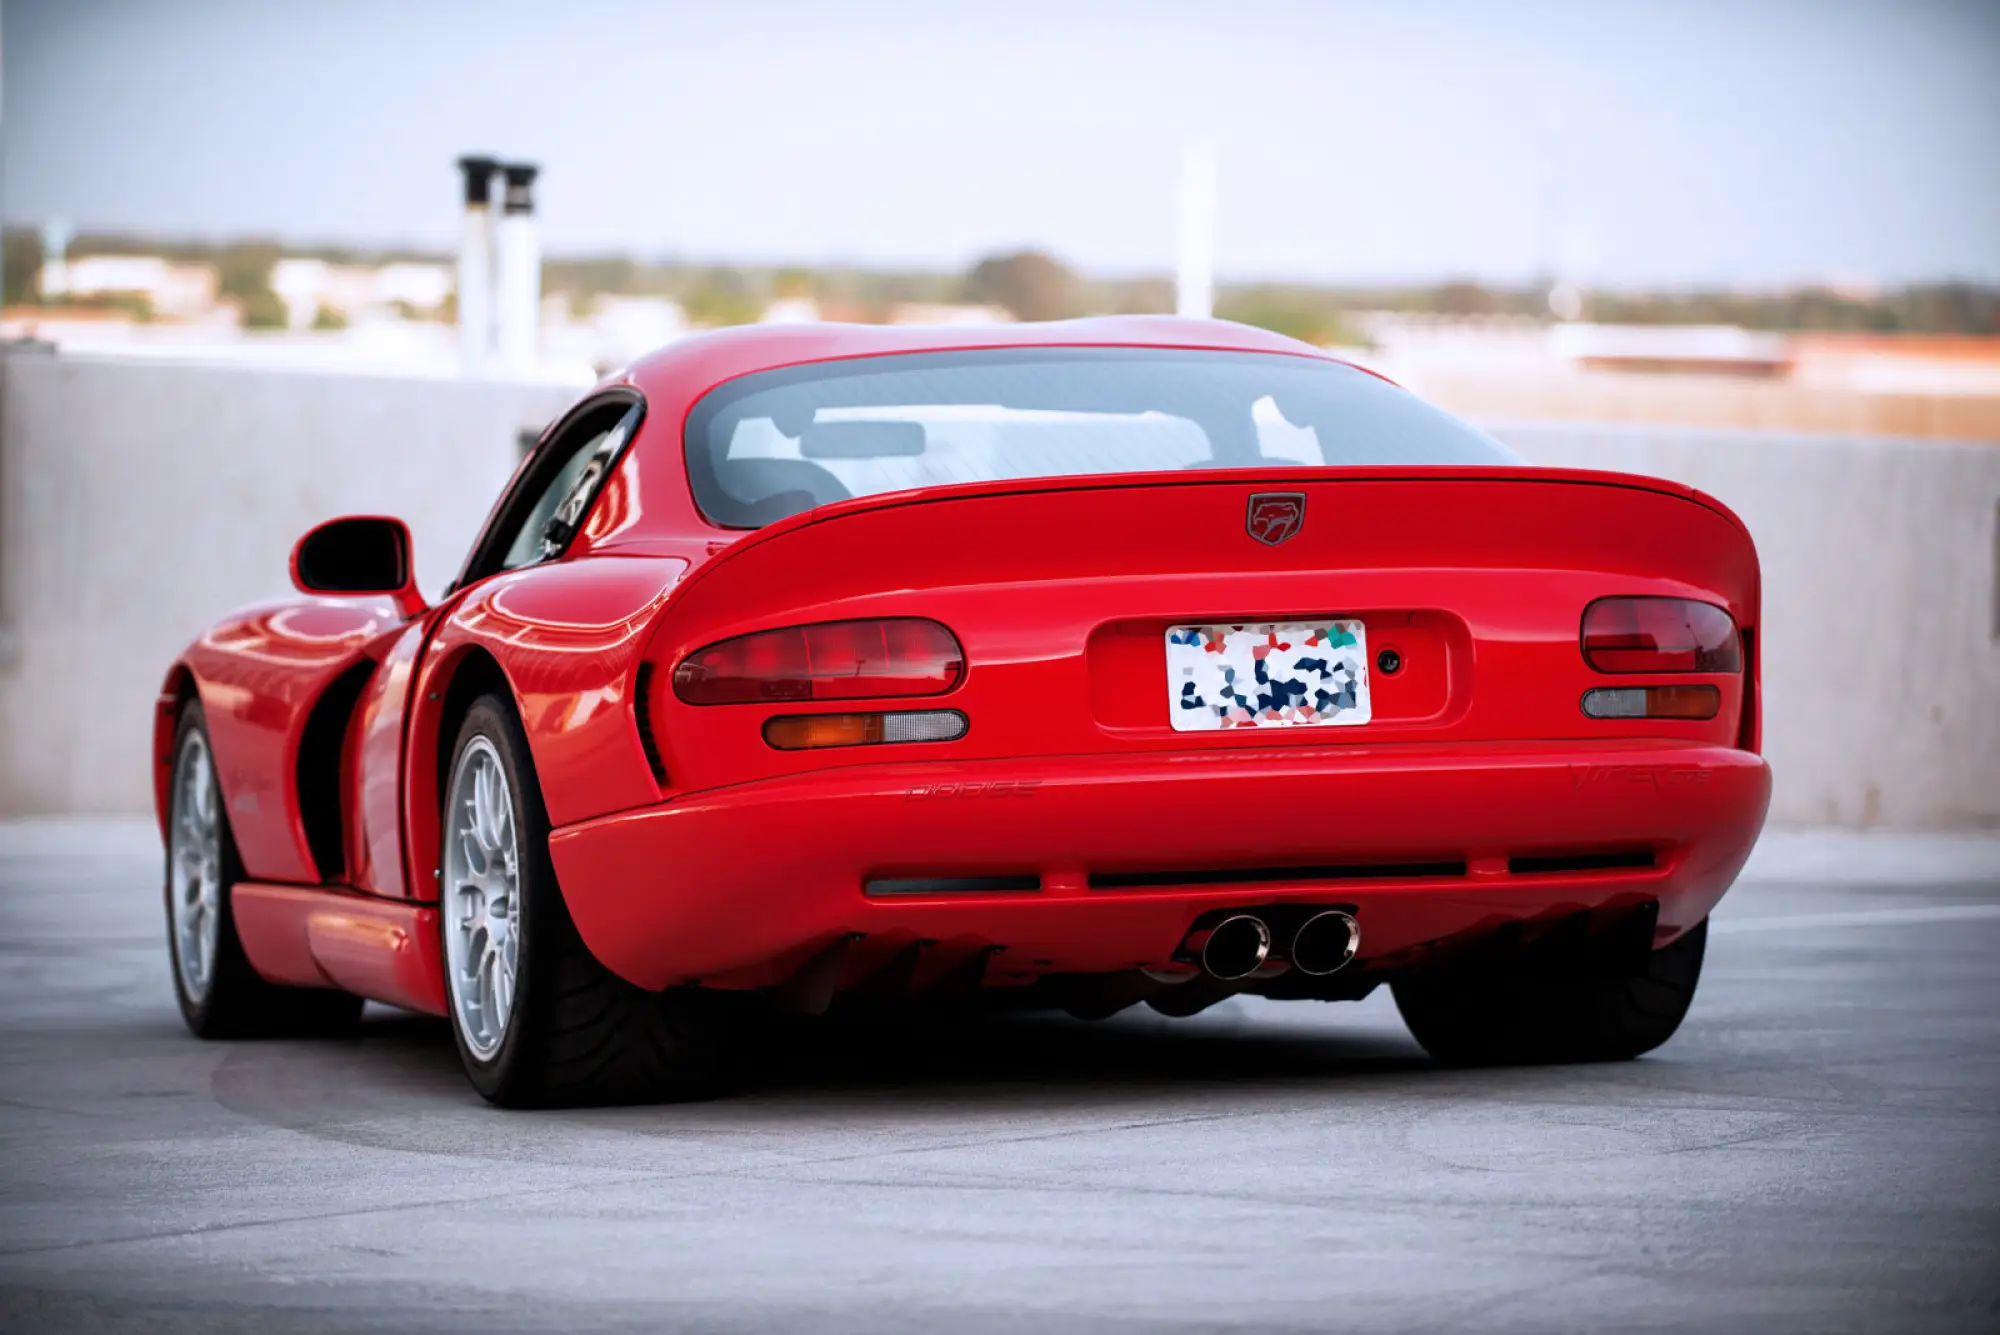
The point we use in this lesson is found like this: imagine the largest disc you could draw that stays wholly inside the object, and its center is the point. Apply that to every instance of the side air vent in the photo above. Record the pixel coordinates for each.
(642, 714)
(1370, 871)
(1623, 859)
(318, 774)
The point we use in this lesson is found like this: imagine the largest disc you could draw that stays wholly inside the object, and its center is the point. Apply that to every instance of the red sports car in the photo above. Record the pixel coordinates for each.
(1072, 665)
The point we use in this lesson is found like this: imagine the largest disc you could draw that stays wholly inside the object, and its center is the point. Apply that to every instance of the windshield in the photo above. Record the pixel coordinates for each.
(769, 445)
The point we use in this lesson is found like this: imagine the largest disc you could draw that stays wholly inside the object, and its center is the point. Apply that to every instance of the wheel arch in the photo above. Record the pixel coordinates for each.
(175, 692)
(445, 695)
(475, 673)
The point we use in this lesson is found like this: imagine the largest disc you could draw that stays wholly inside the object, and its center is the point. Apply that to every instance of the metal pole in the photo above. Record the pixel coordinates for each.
(1194, 284)
(10, 649)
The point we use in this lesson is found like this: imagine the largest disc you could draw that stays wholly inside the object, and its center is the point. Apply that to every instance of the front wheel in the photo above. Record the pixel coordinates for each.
(538, 1020)
(220, 995)
(1553, 1010)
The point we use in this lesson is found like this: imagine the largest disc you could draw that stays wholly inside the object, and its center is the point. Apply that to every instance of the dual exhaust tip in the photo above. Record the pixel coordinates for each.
(1240, 944)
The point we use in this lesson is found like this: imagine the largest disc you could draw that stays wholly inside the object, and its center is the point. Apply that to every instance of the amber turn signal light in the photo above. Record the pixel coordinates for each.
(1682, 702)
(813, 732)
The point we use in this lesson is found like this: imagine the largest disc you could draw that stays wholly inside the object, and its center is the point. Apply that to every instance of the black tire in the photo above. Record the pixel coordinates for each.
(576, 1033)
(1553, 1010)
(236, 1003)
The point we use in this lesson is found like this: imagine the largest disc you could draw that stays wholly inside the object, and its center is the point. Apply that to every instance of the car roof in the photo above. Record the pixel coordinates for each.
(711, 358)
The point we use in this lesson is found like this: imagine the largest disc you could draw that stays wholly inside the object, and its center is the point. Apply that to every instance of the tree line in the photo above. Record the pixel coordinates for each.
(1034, 285)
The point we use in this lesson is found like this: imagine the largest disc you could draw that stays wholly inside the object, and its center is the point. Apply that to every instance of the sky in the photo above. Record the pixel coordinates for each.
(1748, 143)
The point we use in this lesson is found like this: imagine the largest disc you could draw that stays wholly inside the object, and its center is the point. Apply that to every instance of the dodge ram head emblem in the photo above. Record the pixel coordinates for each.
(1275, 516)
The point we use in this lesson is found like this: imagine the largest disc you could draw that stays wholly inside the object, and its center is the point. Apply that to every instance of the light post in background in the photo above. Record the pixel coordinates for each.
(1194, 276)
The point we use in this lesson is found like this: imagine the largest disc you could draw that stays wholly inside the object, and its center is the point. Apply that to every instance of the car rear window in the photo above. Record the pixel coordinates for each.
(771, 444)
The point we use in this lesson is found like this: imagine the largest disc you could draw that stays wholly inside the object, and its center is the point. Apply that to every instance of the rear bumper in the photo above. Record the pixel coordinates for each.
(739, 886)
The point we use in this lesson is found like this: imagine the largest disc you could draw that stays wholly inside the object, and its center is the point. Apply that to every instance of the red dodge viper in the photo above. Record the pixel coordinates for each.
(1073, 665)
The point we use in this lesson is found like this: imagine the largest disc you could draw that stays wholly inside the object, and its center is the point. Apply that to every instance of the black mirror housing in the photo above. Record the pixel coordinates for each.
(358, 556)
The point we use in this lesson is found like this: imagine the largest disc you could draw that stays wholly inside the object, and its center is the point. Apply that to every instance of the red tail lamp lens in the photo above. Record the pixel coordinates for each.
(834, 660)
(1659, 635)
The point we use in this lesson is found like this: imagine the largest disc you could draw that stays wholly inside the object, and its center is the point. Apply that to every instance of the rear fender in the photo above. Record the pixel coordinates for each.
(566, 639)
(1750, 733)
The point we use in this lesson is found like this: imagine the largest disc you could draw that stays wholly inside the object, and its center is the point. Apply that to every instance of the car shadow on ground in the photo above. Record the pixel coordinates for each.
(913, 1058)
(1135, 1049)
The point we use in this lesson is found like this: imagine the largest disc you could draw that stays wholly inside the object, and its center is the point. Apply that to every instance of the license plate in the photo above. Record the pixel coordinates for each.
(1286, 674)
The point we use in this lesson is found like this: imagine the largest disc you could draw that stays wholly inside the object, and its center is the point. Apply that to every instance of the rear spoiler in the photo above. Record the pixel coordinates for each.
(890, 500)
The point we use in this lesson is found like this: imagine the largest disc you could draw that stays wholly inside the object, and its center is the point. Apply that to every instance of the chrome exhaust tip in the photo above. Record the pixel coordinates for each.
(1236, 947)
(1325, 943)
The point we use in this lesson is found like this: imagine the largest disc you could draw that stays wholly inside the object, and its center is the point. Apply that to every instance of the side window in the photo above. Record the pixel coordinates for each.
(559, 491)
(558, 510)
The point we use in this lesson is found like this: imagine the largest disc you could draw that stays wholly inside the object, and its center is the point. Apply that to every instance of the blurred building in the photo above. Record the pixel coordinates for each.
(1516, 369)
(1671, 349)
(790, 310)
(179, 291)
(352, 291)
(1936, 364)
(611, 332)
(934, 313)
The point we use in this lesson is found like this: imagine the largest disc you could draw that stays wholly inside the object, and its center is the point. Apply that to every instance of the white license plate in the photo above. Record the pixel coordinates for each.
(1286, 674)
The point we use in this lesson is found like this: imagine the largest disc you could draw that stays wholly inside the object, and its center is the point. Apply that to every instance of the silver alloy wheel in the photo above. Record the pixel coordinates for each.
(194, 866)
(481, 897)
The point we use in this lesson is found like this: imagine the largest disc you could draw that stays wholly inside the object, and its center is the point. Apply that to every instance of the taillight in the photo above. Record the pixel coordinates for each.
(1659, 635)
(834, 660)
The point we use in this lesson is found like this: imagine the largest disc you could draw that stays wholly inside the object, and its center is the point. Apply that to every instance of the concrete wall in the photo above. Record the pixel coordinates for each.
(138, 501)
(1881, 637)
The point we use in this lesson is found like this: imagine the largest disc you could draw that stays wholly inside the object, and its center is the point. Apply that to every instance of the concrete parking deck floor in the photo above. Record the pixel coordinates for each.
(1819, 1150)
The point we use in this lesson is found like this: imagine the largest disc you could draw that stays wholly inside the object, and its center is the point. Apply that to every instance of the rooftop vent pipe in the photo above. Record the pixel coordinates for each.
(520, 270)
(475, 266)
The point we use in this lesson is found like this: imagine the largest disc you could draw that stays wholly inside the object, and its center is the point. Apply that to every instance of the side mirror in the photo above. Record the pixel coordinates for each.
(360, 556)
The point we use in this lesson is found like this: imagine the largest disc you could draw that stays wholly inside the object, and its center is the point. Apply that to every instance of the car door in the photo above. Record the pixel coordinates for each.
(538, 515)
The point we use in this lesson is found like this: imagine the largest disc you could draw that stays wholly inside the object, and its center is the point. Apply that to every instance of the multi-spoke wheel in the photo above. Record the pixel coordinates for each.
(481, 897)
(194, 865)
(220, 995)
(538, 1020)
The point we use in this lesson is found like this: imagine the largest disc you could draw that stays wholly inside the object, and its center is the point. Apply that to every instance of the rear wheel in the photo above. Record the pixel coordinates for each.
(220, 995)
(1553, 1010)
(537, 1019)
